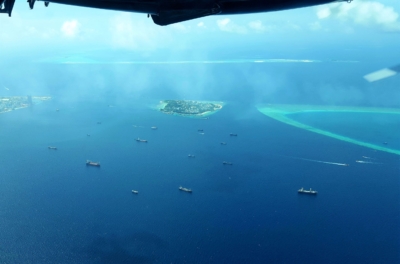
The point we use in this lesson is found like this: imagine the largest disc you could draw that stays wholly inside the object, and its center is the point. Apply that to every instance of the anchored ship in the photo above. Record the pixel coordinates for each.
(185, 189)
(135, 192)
(92, 163)
(141, 140)
(50, 147)
(311, 191)
(227, 163)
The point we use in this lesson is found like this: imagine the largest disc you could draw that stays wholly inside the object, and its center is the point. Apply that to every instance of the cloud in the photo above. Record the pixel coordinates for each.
(315, 26)
(229, 26)
(137, 35)
(324, 12)
(340, 94)
(70, 28)
(180, 27)
(257, 26)
(367, 13)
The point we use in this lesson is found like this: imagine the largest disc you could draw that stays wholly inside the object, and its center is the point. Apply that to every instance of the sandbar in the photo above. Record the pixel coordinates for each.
(282, 112)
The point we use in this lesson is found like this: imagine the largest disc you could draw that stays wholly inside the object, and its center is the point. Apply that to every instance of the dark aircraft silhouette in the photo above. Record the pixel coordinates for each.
(165, 12)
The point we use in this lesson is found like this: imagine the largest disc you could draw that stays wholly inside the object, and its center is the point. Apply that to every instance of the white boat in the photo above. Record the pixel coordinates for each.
(185, 189)
(311, 191)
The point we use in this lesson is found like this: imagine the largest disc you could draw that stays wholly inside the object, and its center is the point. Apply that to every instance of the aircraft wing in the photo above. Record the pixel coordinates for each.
(165, 12)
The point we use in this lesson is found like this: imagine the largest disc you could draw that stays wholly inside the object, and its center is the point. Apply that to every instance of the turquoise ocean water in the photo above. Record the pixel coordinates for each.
(374, 128)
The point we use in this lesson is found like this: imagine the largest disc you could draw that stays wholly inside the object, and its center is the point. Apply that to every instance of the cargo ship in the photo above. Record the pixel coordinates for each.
(92, 163)
(227, 163)
(307, 191)
(185, 189)
(55, 148)
(141, 140)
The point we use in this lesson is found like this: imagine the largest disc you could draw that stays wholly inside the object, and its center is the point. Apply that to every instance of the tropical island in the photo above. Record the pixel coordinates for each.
(189, 108)
(283, 113)
(11, 103)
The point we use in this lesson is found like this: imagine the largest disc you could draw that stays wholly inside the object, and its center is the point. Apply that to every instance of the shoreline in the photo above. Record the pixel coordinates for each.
(35, 101)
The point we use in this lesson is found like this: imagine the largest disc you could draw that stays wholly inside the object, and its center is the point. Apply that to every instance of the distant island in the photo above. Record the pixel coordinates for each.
(11, 103)
(189, 108)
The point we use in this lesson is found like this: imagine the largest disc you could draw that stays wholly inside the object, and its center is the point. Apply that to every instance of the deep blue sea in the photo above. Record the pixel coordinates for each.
(54, 209)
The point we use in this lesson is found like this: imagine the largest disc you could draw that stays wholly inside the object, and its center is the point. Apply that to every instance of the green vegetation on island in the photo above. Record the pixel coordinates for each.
(282, 113)
(189, 108)
(10, 103)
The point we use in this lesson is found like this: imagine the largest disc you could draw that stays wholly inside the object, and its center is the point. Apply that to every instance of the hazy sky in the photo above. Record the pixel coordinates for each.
(60, 29)
(338, 34)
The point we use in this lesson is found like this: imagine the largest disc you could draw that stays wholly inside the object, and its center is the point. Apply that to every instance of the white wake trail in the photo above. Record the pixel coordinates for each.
(326, 162)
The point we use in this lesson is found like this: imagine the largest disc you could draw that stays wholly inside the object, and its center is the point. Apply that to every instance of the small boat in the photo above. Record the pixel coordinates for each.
(57, 110)
(50, 147)
(385, 143)
(233, 135)
(135, 192)
(141, 140)
(223, 143)
(200, 130)
(227, 163)
(88, 135)
(98, 123)
(311, 191)
(91, 163)
(185, 189)
(191, 156)
(154, 128)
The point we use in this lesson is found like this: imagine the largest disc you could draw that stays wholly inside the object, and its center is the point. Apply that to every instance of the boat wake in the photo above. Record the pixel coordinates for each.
(368, 162)
(320, 161)
(326, 162)
(365, 157)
